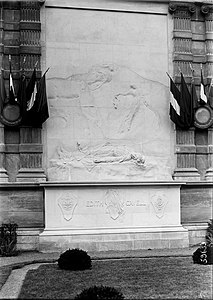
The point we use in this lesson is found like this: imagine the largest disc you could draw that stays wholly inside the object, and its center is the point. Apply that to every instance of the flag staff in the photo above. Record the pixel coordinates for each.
(168, 75)
(46, 71)
(191, 68)
(35, 64)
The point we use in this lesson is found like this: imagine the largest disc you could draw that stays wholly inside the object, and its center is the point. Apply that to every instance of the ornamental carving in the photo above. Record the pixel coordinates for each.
(206, 9)
(67, 203)
(159, 203)
(114, 204)
(180, 6)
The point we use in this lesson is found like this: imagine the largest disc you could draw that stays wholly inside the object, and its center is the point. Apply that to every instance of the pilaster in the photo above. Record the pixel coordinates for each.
(209, 171)
(30, 147)
(31, 150)
(192, 46)
(186, 150)
(20, 30)
(3, 172)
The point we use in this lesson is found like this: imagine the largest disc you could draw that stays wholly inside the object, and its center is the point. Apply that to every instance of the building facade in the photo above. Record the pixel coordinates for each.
(108, 169)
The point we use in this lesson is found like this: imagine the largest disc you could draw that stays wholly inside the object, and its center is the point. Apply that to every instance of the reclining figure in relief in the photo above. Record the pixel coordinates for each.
(109, 153)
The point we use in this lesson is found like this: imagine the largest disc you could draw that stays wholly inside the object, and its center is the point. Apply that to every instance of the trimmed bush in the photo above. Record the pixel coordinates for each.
(100, 292)
(74, 259)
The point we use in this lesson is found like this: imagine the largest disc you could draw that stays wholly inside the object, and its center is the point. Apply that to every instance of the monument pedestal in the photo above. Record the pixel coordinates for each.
(112, 216)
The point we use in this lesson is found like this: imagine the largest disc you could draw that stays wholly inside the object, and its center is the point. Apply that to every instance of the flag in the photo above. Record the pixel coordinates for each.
(3, 94)
(194, 97)
(203, 98)
(210, 94)
(12, 95)
(21, 96)
(174, 109)
(186, 104)
(31, 90)
(39, 112)
(41, 98)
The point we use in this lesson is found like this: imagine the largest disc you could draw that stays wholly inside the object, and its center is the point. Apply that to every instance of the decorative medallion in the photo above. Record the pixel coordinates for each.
(159, 203)
(203, 117)
(67, 204)
(11, 114)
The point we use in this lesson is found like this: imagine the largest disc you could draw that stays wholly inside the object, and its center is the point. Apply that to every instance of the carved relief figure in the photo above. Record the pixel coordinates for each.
(114, 205)
(106, 103)
(131, 100)
(89, 158)
(67, 203)
(108, 153)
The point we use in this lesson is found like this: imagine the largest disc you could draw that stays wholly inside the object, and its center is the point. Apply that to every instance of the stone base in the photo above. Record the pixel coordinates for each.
(196, 232)
(112, 216)
(31, 175)
(186, 174)
(209, 174)
(28, 239)
(143, 238)
(3, 175)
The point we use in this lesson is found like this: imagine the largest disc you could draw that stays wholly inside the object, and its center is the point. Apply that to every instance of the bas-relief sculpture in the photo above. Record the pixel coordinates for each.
(67, 203)
(113, 203)
(107, 124)
(159, 203)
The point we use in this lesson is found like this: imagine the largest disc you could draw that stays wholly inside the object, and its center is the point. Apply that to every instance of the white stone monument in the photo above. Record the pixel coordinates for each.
(109, 140)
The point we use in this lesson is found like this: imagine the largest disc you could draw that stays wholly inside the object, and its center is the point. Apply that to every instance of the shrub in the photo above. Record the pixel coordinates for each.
(74, 259)
(100, 292)
(8, 239)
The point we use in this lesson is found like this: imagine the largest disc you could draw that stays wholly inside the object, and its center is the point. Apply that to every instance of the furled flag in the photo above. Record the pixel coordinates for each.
(186, 104)
(39, 112)
(203, 98)
(3, 94)
(194, 97)
(31, 90)
(21, 96)
(12, 95)
(174, 110)
(210, 93)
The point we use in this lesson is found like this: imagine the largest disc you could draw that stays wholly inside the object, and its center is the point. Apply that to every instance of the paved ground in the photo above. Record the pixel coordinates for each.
(13, 269)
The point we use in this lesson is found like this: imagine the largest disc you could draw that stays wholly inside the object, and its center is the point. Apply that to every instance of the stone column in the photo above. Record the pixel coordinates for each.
(186, 151)
(31, 150)
(30, 147)
(209, 171)
(184, 14)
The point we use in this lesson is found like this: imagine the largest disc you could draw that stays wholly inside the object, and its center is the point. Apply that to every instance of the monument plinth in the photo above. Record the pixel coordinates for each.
(112, 216)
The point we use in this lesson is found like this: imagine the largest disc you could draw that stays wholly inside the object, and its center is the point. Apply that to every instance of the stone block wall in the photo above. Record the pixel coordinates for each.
(23, 204)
